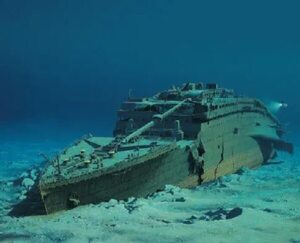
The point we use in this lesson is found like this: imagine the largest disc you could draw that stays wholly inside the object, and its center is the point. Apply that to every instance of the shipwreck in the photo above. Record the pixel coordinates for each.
(184, 136)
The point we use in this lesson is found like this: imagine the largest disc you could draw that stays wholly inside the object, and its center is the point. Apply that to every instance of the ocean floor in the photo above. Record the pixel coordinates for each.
(261, 205)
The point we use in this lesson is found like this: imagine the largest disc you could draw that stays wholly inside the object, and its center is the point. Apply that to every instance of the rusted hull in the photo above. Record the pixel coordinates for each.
(136, 181)
(227, 147)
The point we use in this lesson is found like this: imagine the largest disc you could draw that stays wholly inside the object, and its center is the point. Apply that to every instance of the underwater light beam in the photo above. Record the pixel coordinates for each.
(275, 106)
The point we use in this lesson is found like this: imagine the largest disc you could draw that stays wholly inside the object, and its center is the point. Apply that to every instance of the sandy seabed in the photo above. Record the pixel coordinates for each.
(261, 205)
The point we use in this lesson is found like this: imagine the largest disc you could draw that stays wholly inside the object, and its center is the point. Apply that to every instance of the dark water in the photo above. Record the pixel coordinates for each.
(65, 66)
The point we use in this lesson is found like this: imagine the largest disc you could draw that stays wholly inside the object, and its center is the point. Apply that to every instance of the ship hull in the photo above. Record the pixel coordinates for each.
(136, 181)
(227, 146)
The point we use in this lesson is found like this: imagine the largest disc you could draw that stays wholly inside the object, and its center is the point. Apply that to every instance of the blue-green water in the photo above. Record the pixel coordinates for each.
(74, 61)
(65, 67)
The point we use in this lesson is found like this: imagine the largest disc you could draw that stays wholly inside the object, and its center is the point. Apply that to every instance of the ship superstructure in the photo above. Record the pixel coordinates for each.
(183, 136)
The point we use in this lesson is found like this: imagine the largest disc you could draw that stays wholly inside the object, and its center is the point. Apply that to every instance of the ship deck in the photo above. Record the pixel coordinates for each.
(77, 161)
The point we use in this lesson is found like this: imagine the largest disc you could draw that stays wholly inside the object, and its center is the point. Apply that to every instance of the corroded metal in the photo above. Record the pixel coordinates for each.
(182, 136)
